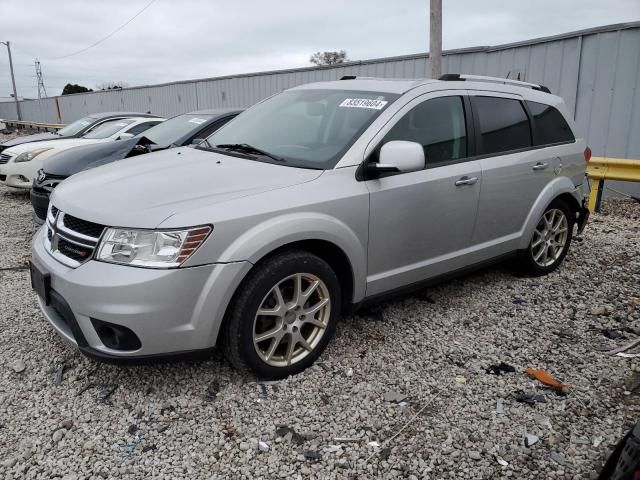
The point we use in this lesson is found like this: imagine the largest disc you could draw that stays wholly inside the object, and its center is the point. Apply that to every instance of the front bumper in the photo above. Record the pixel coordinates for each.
(40, 203)
(17, 175)
(171, 311)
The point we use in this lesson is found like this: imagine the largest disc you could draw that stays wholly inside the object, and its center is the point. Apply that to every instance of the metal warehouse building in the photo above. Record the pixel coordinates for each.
(596, 71)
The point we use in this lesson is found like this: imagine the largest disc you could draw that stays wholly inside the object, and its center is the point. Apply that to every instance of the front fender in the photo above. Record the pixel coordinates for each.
(555, 188)
(274, 233)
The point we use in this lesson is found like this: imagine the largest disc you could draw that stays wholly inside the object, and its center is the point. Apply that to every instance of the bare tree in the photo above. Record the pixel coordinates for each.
(112, 85)
(329, 58)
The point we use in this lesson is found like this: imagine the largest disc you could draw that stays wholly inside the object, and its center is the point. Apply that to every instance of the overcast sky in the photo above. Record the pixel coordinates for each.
(179, 40)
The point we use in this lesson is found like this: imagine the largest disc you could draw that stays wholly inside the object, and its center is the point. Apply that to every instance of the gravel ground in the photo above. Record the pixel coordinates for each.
(409, 374)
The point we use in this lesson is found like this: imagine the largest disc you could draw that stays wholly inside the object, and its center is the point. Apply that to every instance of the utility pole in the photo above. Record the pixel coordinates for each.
(13, 80)
(435, 40)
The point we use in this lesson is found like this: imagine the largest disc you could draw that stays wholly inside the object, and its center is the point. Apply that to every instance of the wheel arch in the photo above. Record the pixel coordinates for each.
(559, 188)
(326, 250)
(320, 234)
(335, 257)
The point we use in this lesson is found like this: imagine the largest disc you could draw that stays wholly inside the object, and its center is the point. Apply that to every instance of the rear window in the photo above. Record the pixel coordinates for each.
(551, 127)
(503, 124)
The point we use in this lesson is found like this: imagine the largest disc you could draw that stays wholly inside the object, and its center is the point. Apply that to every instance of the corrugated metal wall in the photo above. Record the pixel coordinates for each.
(596, 71)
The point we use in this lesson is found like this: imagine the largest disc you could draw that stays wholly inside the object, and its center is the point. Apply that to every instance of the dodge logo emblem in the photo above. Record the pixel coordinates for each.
(41, 176)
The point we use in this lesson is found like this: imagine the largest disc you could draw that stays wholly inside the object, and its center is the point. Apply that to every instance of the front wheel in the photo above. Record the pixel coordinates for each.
(283, 315)
(551, 240)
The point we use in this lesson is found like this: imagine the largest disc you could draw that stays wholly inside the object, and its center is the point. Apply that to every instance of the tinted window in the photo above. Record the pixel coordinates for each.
(504, 124)
(175, 128)
(210, 129)
(438, 125)
(551, 127)
(307, 128)
(141, 127)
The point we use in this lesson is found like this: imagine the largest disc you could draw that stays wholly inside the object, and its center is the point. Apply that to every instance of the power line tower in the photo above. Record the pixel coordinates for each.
(42, 91)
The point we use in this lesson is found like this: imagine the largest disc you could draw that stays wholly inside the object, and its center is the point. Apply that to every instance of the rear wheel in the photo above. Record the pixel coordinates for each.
(551, 240)
(283, 316)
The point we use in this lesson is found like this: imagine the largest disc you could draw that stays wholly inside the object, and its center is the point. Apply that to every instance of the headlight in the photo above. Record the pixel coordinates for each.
(150, 248)
(28, 156)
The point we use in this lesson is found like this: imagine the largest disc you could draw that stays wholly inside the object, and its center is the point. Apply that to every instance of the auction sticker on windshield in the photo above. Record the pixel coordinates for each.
(364, 103)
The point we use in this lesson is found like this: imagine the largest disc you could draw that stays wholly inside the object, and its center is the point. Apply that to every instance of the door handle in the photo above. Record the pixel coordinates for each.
(466, 181)
(540, 166)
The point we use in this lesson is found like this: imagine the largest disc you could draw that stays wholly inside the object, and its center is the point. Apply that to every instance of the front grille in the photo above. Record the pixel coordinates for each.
(73, 251)
(3, 178)
(82, 226)
(69, 239)
(4, 158)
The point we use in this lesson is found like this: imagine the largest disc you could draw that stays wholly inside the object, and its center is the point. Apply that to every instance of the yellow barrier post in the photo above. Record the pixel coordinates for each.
(600, 169)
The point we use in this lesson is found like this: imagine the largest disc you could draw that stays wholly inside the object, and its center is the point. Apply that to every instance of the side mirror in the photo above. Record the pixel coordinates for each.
(196, 141)
(398, 156)
(124, 136)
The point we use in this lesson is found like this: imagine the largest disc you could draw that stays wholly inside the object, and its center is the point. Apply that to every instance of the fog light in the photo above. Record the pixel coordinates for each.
(115, 336)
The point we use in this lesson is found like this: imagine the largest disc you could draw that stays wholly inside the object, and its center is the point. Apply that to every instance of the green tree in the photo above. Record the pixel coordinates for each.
(74, 88)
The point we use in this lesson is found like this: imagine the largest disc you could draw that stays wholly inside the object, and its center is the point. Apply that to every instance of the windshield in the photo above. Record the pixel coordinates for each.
(76, 126)
(108, 128)
(170, 131)
(303, 128)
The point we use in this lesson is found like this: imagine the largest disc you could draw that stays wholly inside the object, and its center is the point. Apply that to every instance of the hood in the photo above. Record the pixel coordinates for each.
(58, 144)
(76, 159)
(32, 138)
(145, 190)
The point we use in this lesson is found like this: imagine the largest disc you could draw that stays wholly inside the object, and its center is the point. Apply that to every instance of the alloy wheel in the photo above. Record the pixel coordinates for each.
(550, 237)
(292, 319)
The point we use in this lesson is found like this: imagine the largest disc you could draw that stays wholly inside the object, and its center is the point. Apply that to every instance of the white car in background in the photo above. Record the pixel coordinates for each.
(20, 164)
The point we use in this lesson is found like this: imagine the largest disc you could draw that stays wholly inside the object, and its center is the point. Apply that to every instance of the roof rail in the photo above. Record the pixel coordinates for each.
(457, 77)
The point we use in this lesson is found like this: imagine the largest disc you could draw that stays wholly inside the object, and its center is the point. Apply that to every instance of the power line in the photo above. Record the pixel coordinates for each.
(104, 38)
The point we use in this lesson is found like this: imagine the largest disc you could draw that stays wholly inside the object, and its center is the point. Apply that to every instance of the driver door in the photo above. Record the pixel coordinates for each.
(421, 222)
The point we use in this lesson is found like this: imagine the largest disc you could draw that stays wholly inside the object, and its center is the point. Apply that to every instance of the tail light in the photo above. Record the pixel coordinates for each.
(587, 154)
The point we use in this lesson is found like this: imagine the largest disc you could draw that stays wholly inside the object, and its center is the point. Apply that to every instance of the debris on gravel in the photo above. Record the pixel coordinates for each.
(18, 366)
(500, 369)
(202, 419)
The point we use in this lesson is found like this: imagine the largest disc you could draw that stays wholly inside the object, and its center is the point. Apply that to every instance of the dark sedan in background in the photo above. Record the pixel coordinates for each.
(74, 130)
(181, 130)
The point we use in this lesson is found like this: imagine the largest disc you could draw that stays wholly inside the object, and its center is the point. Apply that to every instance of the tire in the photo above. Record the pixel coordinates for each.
(534, 261)
(285, 318)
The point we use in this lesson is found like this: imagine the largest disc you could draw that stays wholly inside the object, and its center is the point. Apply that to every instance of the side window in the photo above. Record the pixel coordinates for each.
(438, 125)
(551, 127)
(141, 127)
(503, 124)
(205, 132)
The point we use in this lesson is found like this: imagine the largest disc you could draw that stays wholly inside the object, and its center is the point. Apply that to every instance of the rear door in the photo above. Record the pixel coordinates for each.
(420, 222)
(513, 172)
(552, 133)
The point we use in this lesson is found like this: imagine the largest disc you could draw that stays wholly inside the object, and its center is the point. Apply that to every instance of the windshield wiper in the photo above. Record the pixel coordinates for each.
(245, 147)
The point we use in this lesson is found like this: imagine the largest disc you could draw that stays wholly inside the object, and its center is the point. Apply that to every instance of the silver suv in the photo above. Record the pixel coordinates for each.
(301, 209)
